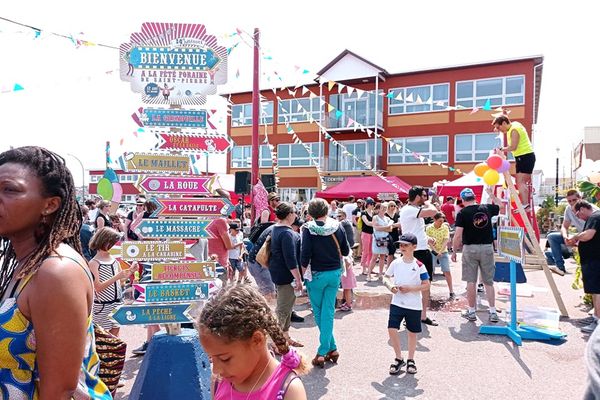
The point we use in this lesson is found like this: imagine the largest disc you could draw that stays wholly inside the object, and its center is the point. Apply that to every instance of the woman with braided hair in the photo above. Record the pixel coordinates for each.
(233, 327)
(46, 335)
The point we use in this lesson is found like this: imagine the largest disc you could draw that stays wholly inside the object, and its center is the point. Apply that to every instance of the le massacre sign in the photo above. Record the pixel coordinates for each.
(173, 63)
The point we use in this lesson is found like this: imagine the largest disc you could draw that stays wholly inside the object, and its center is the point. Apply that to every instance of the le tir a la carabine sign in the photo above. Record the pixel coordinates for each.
(173, 63)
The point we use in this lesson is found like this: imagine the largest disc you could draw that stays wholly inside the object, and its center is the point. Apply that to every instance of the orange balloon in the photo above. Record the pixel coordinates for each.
(481, 169)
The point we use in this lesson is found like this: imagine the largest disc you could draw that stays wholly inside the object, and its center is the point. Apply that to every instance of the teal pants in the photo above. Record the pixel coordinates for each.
(322, 291)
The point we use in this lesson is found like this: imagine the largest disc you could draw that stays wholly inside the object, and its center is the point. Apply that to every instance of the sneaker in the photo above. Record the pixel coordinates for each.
(452, 297)
(296, 318)
(556, 270)
(345, 307)
(590, 328)
(470, 315)
(140, 351)
(480, 288)
(494, 317)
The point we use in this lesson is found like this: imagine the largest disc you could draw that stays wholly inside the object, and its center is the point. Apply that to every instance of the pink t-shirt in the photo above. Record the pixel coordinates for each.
(273, 389)
(216, 246)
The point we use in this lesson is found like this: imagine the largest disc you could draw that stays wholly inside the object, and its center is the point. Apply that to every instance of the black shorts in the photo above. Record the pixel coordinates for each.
(525, 163)
(392, 247)
(425, 257)
(412, 317)
(590, 272)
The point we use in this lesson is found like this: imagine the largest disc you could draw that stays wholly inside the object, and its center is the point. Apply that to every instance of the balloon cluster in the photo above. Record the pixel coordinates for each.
(491, 169)
(109, 187)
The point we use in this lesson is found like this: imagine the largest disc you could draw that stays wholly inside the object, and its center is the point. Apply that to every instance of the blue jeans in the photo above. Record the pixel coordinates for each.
(322, 291)
(555, 256)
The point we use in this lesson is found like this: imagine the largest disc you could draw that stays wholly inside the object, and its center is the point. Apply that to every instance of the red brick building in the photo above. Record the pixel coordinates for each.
(416, 109)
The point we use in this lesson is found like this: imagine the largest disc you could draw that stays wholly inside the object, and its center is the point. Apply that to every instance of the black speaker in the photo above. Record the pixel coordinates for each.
(268, 180)
(242, 182)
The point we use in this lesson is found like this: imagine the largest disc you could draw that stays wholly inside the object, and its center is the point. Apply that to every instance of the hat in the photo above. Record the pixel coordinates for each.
(233, 225)
(273, 196)
(467, 194)
(369, 200)
(407, 238)
(298, 222)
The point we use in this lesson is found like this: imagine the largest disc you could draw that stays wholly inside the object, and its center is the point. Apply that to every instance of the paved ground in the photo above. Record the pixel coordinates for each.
(454, 360)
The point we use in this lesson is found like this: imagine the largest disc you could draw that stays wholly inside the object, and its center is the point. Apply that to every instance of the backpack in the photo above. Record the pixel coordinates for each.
(257, 229)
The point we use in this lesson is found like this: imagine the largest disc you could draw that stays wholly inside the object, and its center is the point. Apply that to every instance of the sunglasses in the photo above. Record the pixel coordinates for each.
(340, 216)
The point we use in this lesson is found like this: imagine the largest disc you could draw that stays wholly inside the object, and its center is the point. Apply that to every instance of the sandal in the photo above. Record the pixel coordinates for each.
(332, 356)
(345, 308)
(395, 367)
(429, 321)
(318, 361)
(411, 368)
(294, 343)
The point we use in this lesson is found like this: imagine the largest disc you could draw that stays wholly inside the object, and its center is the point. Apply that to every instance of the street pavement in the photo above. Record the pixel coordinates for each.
(454, 361)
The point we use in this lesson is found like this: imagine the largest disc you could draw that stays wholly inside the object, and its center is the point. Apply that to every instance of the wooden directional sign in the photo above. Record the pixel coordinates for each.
(140, 162)
(191, 185)
(174, 228)
(173, 292)
(184, 271)
(149, 251)
(193, 207)
(170, 118)
(152, 314)
(193, 143)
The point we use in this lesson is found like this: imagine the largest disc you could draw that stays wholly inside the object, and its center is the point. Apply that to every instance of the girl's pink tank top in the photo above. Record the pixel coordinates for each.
(273, 389)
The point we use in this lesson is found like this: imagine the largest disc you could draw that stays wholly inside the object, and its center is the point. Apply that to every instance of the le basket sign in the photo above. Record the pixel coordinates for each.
(173, 63)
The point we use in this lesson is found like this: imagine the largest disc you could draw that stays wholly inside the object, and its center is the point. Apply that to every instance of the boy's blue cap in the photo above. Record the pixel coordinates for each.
(467, 194)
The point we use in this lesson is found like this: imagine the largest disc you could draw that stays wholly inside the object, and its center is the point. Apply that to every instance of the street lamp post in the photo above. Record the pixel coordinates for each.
(556, 181)
(82, 175)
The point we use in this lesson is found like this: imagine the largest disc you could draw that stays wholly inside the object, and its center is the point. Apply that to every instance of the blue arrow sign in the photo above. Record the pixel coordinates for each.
(173, 228)
(152, 314)
(169, 292)
(173, 118)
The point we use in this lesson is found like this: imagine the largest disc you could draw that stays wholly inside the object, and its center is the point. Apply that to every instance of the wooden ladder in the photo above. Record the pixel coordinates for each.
(532, 243)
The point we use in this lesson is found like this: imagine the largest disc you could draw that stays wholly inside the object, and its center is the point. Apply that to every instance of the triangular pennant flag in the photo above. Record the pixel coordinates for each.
(338, 114)
(359, 93)
(17, 87)
(304, 89)
(292, 92)
(305, 71)
(330, 85)
(429, 101)
(341, 87)
(299, 107)
(488, 105)
(312, 95)
(350, 90)
(390, 95)
(399, 97)
(409, 98)
(473, 111)
(419, 100)
(350, 122)
(440, 103)
(330, 108)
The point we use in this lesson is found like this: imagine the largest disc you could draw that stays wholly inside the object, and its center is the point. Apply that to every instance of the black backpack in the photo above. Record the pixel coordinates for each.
(257, 229)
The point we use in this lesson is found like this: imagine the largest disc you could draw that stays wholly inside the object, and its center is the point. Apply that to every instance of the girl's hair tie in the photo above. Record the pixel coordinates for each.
(291, 359)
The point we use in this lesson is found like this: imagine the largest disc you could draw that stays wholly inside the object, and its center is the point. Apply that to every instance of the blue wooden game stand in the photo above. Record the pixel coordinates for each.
(512, 330)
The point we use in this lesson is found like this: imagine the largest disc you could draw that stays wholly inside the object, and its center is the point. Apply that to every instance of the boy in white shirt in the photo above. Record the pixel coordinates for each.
(235, 254)
(406, 278)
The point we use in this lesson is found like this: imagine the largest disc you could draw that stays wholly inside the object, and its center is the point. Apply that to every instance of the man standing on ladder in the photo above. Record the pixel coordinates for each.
(521, 147)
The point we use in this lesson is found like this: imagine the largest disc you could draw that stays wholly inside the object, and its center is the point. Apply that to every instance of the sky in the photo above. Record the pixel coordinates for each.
(74, 101)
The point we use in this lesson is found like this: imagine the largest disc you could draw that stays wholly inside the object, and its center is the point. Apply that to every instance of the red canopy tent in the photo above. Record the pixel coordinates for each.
(366, 186)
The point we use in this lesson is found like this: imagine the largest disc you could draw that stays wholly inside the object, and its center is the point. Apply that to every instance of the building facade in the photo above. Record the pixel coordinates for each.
(440, 118)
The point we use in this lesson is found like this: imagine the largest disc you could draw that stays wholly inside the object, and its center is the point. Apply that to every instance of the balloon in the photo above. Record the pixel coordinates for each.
(111, 175)
(117, 192)
(480, 169)
(105, 189)
(494, 161)
(504, 167)
(491, 177)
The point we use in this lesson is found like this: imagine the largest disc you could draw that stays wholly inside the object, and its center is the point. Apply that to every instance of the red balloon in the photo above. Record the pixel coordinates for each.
(494, 161)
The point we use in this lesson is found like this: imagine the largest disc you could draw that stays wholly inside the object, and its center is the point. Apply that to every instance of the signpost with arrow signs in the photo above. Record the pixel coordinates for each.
(170, 118)
(193, 143)
(174, 292)
(152, 314)
(191, 185)
(193, 207)
(161, 163)
(174, 228)
(183, 271)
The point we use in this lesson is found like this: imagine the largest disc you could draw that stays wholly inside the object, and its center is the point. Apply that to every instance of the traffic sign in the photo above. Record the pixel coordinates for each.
(173, 228)
(140, 162)
(173, 292)
(193, 207)
(152, 314)
(192, 185)
(170, 118)
(193, 143)
(148, 251)
(184, 271)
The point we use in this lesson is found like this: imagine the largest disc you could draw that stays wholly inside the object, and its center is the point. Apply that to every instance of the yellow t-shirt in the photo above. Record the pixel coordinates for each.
(439, 234)
(524, 146)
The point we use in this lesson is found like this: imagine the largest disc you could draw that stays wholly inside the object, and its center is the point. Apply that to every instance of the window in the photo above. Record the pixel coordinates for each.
(299, 194)
(475, 147)
(360, 110)
(363, 150)
(295, 155)
(241, 114)
(434, 148)
(432, 98)
(503, 91)
(298, 110)
(241, 157)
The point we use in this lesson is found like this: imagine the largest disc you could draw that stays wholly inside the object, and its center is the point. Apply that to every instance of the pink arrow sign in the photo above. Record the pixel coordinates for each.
(196, 143)
(192, 185)
(193, 207)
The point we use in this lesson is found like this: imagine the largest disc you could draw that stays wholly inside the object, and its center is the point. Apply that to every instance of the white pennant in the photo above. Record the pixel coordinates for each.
(341, 87)
(304, 89)
(350, 90)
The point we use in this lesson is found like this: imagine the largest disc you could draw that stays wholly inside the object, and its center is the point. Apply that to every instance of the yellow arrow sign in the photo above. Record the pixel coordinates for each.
(140, 162)
(183, 271)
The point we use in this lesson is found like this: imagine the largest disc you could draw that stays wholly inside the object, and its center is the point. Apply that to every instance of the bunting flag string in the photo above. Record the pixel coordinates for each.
(311, 156)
